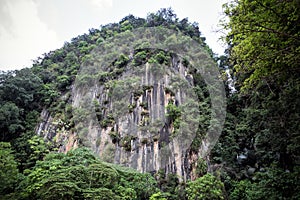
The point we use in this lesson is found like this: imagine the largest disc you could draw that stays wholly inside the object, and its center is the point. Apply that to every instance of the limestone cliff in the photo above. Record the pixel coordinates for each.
(132, 124)
(145, 110)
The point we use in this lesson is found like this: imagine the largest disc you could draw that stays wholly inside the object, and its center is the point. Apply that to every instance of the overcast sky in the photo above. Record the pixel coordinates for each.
(29, 28)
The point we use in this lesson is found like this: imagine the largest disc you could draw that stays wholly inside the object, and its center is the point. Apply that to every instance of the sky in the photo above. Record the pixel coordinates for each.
(30, 28)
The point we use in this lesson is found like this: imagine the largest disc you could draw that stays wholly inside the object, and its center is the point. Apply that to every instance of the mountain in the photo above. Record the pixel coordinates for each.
(142, 109)
(135, 100)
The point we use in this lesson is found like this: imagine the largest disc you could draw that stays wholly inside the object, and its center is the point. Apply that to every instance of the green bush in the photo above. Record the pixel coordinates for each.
(208, 187)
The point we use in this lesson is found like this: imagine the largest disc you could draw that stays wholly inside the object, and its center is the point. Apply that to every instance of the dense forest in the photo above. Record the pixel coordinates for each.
(256, 157)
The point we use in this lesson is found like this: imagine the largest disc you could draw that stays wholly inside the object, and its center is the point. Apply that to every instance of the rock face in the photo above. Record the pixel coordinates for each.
(145, 118)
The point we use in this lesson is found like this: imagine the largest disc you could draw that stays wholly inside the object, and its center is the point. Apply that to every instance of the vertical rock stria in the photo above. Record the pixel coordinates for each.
(137, 128)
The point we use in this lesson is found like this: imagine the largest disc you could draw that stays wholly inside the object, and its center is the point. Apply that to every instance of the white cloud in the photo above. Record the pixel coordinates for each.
(102, 3)
(26, 37)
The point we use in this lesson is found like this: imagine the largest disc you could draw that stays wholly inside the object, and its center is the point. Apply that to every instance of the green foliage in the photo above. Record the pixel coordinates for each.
(273, 184)
(202, 93)
(49, 93)
(140, 58)
(8, 169)
(126, 26)
(144, 185)
(125, 142)
(108, 121)
(10, 121)
(20, 87)
(29, 148)
(152, 56)
(168, 184)
(206, 187)
(131, 107)
(161, 58)
(115, 137)
(126, 193)
(122, 61)
(174, 114)
(19, 95)
(159, 196)
(69, 176)
(265, 57)
(80, 175)
(39, 148)
(99, 194)
(63, 81)
(262, 121)
(201, 167)
(265, 40)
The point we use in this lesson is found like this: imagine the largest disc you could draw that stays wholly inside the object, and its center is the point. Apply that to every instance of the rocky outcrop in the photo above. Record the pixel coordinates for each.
(145, 119)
